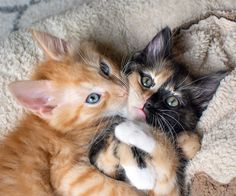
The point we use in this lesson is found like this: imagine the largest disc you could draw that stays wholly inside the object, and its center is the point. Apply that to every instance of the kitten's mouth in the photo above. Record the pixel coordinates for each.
(140, 113)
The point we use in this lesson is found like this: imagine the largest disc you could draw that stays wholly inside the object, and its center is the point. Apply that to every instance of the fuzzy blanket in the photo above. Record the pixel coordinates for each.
(206, 42)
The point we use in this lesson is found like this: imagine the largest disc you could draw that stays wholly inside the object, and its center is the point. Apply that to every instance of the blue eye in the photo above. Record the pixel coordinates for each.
(93, 98)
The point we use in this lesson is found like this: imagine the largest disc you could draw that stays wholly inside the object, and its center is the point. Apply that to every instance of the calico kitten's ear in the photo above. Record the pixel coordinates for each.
(36, 96)
(54, 47)
(156, 50)
(205, 88)
(160, 46)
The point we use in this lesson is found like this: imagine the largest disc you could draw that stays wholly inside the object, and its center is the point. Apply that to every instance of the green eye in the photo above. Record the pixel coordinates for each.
(172, 101)
(146, 81)
(93, 98)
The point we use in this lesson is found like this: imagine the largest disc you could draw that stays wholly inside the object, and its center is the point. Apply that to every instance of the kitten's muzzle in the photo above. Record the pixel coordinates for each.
(148, 105)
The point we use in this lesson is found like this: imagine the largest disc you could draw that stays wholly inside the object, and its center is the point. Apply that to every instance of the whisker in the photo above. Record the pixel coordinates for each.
(183, 81)
(194, 81)
(174, 120)
(170, 128)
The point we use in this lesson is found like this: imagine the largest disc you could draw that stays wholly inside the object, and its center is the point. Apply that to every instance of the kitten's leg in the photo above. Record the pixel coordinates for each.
(190, 143)
(106, 161)
(166, 162)
(83, 179)
(142, 178)
(79, 178)
(163, 155)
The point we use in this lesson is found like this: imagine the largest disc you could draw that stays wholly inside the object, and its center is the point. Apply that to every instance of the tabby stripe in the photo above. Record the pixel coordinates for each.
(70, 121)
(60, 175)
(112, 192)
(92, 189)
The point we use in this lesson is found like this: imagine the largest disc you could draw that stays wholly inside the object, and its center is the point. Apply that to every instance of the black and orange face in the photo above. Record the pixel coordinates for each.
(163, 92)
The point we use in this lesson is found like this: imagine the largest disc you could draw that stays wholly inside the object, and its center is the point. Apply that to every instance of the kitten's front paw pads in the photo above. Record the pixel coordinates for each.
(131, 133)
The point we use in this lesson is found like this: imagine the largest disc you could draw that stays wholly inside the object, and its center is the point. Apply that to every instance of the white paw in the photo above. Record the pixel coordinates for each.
(143, 179)
(134, 134)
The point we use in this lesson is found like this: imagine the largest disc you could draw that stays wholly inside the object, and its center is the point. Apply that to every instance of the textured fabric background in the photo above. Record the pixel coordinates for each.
(129, 24)
(16, 14)
(210, 45)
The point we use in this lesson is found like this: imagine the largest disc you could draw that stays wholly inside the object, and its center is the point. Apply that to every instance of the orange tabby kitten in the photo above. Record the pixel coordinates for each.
(69, 99)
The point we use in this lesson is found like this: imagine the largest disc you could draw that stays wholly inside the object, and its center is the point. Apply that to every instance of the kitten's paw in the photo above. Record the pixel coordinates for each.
(143, 179)
(134, 134)
(190, 144)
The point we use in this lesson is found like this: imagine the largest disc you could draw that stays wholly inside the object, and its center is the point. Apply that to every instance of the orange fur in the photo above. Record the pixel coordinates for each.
(46, 154)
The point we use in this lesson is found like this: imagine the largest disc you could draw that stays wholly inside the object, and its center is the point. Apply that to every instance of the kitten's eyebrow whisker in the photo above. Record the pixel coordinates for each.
(121, 80)
(83, 57)
(194, 81)
(183, 80)
(125, 59)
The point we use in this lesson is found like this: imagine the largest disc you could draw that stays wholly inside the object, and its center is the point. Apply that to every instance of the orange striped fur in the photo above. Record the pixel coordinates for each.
(46, 154)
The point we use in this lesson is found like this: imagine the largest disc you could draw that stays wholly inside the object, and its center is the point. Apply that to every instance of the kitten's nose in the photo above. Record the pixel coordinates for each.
(147, 105)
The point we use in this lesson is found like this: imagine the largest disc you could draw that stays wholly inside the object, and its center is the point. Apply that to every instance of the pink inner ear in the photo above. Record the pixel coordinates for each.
(53, 47)
(34, 95)
(33, 103)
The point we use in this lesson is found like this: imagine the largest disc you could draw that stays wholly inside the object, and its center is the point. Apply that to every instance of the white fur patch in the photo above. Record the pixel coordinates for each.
(143, 179)
(135, 134)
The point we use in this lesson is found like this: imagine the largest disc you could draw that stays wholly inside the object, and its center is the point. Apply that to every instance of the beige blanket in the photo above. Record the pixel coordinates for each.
(206, 45)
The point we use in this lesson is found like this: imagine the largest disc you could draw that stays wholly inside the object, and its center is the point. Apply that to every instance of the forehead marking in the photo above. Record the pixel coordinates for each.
(161, 77)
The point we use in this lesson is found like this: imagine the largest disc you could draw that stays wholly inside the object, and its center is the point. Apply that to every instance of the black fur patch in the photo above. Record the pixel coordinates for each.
(120, 174)
(97, 146)
(140, 156)
(102, 137)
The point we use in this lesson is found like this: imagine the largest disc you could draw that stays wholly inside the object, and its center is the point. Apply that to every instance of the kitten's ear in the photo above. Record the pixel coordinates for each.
(156, 50)
(36, 96)
(54, 47)
(205, 89)
(160, 46)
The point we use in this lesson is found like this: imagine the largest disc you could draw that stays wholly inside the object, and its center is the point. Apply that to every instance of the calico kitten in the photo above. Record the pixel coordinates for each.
(69, 98)
(163, 93)
(166, 94)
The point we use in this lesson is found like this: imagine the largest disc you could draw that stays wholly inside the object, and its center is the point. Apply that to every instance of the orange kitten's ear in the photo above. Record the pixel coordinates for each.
(54, 47)
(36, 96)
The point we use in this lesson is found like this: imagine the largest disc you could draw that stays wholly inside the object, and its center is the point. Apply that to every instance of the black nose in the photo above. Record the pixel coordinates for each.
(147, 106)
